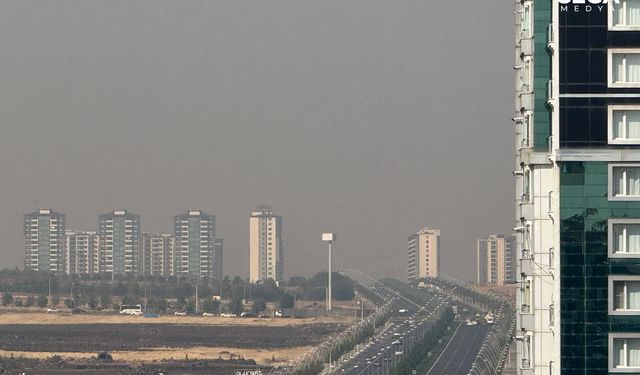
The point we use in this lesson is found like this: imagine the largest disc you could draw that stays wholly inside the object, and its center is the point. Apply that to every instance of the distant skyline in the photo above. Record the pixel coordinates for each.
(371, 119)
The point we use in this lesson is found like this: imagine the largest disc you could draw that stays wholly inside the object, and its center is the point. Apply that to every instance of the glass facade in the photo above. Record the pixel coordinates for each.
(542, 76)
(585, 211)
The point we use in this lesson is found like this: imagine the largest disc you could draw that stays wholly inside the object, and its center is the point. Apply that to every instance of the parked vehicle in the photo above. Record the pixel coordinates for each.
(131, 309)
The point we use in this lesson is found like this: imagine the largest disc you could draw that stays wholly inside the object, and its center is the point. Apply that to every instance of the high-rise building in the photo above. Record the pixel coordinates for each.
(195, 238)
(119, 238)
(266, 253)
(157, 255)
(81, 252)
(44, 241)
(578, 188)
(495, 262)
(423, 251)
(217, 262)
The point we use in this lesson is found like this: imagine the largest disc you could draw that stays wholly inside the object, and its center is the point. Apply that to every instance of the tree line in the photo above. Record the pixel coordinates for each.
(162, 294)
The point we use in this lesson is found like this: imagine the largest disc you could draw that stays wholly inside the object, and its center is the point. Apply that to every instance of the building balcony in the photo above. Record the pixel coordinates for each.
(526, 98)
(526, 47)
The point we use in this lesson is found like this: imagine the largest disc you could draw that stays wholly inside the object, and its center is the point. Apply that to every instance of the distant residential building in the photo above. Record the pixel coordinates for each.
(495, 260)
(119, 238)
(81, 252)
(217, 262)
(195, 238)
(157, 255)
(266, 252)
(44, 241)
(423, 250)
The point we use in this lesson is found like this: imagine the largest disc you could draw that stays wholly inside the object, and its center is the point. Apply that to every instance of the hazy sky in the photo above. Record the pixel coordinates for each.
(365, 117)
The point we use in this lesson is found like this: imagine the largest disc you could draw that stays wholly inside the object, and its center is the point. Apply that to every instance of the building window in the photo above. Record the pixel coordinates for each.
(624, 238)
(527, 124)
(527, 296)
(624, 352)
(624, 295)
(526, 75)
(526, 185)
(624, 182)
(624, 68)
(624, 15)
(527, 343)
(527, 24)
(624, 124)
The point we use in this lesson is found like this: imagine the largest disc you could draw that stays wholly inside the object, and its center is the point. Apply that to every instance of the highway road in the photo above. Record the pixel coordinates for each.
(389, 346)
(461, 350)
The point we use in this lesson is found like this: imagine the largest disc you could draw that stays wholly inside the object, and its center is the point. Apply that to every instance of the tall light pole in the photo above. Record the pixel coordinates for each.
(329, 237)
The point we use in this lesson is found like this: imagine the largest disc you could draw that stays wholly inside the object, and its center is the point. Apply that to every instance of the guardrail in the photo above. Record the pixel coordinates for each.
(491, 357)
(312, 363)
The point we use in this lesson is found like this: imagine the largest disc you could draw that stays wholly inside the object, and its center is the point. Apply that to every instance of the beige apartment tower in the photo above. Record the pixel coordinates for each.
(81, 252)
(495, 260)
(423, 254)
(44, 241)
(266, 256)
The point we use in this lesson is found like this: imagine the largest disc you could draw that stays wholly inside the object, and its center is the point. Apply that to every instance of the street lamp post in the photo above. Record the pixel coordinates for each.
(329, 237)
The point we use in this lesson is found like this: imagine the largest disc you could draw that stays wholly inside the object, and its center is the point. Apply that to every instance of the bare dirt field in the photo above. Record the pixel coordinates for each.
(65, 318)
(139, 341)
(55, 338)
(267, 357)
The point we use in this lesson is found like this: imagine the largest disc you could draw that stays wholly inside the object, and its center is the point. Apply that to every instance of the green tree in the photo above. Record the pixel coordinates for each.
(55, 300)
(30, 301)
(287, 301)
(180, 303)
(210, 306)
(7, 298)
(131, 300)
(70, 303)
(190, 307)
(158, 304)
(258, 305)
(105, 301)
(42, 301)
(235, 305)
(296, 281)
(92, 302)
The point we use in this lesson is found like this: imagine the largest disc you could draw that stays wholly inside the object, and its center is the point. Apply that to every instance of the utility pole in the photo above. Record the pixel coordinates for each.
(49, 290)
(196, 297)
(329, 237)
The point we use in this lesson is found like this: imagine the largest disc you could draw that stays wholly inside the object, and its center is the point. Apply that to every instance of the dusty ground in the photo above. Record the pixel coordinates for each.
(128, 337)
(267, 357)
(65, 318)
(144, 340)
